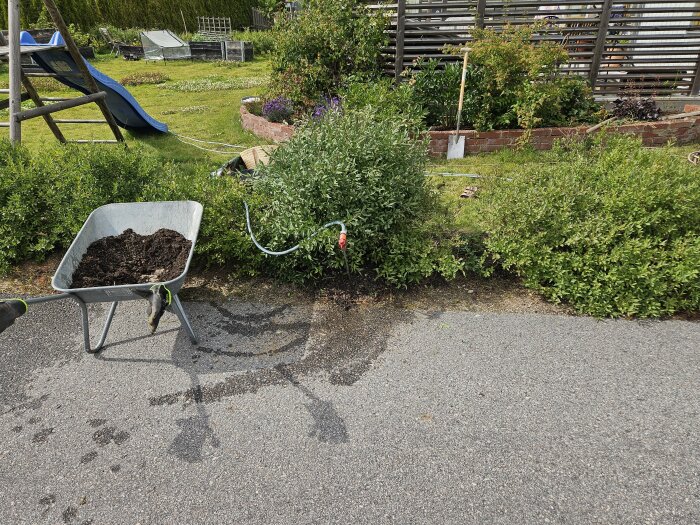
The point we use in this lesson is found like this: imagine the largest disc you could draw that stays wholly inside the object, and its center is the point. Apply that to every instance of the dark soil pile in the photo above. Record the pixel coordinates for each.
(131, 258)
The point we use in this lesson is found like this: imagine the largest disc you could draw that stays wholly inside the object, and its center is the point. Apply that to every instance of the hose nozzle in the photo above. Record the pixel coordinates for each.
(10, 310)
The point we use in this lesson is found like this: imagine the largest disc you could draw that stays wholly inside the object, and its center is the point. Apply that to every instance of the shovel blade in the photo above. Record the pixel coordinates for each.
(455, 147)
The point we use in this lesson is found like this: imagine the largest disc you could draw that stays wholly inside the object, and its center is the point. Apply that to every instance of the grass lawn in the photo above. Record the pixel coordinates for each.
(210, 115)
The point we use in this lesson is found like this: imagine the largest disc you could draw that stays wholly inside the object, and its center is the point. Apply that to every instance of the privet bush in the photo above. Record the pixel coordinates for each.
(46, 197)
(608, 226)
(368, 171)
(327, 41)
(223, 238)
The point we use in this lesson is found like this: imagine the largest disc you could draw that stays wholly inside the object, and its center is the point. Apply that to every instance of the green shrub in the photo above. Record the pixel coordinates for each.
(45, 198)
(129, 36)
(385, 99)
(222, 238)
(436, 89)
(508, 71)
(327, 41)
(81, 38)
(367, 171)
(608, 226)
(263, 41)
(270, 7)
(510, 83)
(563, 101)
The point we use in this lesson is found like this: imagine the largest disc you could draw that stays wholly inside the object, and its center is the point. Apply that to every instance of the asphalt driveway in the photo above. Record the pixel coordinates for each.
(311, 413)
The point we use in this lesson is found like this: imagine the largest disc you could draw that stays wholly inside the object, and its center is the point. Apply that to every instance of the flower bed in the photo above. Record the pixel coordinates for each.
(682, 131)
(265, 129)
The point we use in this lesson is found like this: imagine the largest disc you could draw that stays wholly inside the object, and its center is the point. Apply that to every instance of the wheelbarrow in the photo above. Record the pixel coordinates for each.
(145, 218)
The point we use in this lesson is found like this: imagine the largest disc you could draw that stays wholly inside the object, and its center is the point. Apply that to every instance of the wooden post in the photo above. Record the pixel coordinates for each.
(400, 30)
(600, 42)
(78, 59)
(32, 94)
(13, 25)
(480, 13)
(695, 88)
(183, 20)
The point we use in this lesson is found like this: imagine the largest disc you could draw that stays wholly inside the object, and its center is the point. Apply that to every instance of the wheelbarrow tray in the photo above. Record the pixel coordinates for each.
(145, 218)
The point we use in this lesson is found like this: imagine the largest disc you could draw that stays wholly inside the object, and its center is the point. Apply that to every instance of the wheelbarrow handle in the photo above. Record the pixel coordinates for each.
(13, 309)
(48, 298)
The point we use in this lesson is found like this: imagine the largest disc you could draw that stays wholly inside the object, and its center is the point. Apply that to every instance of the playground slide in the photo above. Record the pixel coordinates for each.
(124, 107)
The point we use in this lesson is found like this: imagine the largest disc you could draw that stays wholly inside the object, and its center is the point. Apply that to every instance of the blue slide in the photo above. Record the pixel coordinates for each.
(126, 111)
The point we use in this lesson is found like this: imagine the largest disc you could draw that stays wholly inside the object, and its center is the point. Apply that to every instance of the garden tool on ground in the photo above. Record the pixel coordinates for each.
(455, 143)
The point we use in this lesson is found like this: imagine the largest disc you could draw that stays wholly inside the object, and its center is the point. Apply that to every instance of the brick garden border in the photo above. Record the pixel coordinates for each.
(265, 129)
(682, 131)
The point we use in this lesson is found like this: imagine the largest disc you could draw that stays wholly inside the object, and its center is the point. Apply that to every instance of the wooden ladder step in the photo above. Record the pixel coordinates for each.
(79, 121)
(38, 74)
(93, 142)
(4, 124)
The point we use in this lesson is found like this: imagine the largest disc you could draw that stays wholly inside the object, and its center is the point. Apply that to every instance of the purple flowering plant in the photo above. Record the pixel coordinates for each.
(327, 104)
(278, 109)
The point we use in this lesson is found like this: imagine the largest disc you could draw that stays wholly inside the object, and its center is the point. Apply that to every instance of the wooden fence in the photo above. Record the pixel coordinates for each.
(649, 48)
(260, 21)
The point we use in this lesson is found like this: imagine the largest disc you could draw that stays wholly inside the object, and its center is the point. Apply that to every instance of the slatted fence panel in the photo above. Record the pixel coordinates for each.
(645, 48)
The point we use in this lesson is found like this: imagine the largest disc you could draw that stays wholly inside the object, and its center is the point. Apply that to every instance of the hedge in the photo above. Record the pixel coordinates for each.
(605, 225)
(160, 14)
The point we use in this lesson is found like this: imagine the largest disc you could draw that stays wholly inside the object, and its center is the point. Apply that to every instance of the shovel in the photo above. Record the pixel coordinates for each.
(455, 143)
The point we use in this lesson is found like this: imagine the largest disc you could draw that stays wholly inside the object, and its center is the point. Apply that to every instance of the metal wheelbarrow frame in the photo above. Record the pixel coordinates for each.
(145, 218)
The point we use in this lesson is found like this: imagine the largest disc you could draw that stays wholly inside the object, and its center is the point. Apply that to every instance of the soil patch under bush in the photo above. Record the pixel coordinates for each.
(130, 258)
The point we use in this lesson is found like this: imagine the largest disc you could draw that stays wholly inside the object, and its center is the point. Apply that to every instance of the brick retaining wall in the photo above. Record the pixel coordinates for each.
(682, 131)
(265, 129)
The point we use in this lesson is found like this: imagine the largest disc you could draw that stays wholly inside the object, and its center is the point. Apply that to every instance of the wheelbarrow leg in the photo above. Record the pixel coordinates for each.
(180, 312)
(86, 327)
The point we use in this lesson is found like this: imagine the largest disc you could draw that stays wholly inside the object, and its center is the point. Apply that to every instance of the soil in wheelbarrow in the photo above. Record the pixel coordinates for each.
(130, 258)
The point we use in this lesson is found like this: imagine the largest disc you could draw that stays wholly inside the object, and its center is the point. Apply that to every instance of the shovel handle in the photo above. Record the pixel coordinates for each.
(461, 90)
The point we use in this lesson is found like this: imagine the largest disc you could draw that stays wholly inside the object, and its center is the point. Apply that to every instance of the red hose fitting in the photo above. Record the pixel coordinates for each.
(343, 241)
